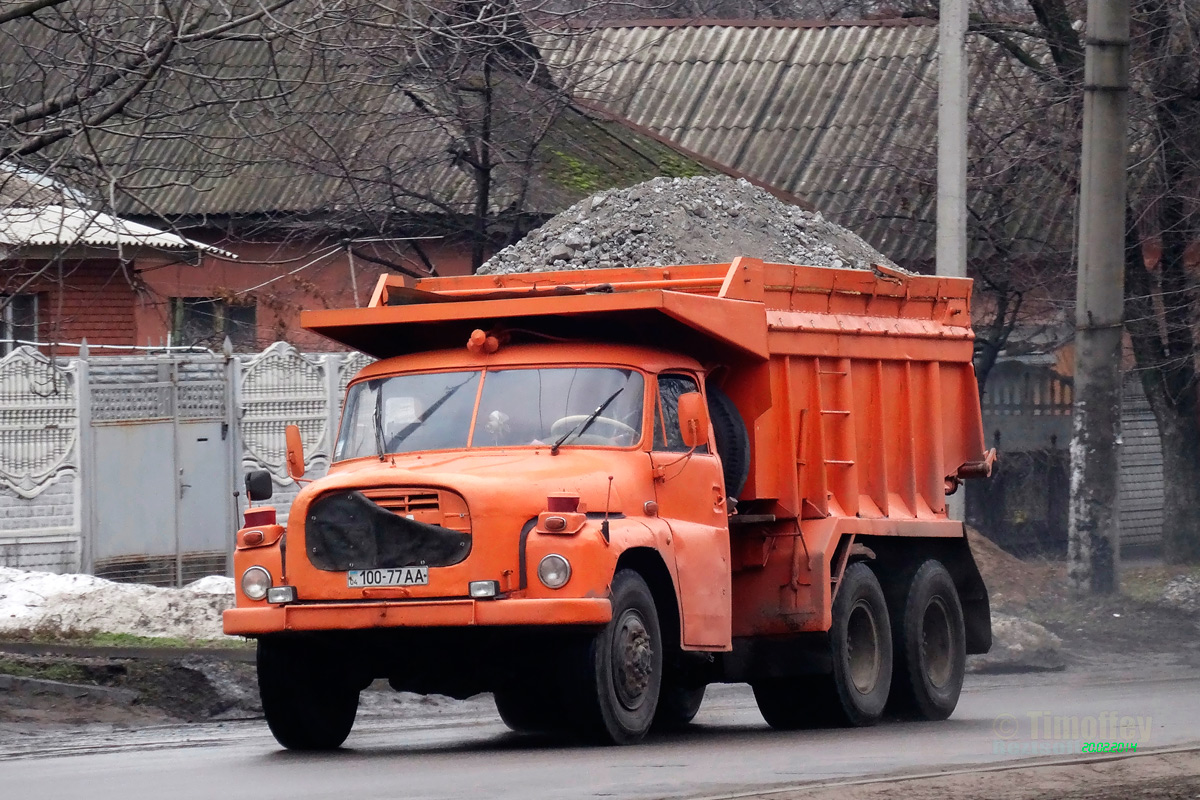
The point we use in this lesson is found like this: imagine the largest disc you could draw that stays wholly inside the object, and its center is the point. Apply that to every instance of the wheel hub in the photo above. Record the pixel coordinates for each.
(862, 647)
(633, 659)
(936, 643)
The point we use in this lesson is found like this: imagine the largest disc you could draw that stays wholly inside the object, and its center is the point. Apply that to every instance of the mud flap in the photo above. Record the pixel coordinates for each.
(972, 593)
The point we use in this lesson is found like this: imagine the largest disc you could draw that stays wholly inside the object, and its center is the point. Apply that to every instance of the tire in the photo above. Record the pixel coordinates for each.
(677, 706)
(856, 692)
(622, 668)
(525, 710)
(731, 439)
(307, 698)
(788, 704)
(929, 646)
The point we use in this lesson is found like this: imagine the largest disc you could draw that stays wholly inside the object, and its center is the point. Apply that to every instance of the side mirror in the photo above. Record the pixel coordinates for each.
(258, 485)
(295, 452)
(693, 419)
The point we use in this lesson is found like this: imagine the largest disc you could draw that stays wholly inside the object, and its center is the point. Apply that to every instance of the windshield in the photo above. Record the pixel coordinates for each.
(516, 408)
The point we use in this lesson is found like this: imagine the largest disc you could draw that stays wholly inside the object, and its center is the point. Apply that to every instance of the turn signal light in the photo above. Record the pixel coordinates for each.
(562, 502)
(260, 515)
(554, 524)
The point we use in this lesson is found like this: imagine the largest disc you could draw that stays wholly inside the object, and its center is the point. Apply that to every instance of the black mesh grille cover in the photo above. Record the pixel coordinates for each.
(345, 530)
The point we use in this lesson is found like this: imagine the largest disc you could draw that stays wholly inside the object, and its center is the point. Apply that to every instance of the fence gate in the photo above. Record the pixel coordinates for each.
(162, 496)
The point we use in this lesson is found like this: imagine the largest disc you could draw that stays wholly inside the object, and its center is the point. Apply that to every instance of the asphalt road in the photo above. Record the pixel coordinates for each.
(462, 750)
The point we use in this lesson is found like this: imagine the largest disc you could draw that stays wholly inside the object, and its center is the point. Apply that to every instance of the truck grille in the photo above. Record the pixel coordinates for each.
(399, 501)
(387, 527)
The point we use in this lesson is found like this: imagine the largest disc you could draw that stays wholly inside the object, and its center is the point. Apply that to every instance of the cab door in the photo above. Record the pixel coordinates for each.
(690, 491)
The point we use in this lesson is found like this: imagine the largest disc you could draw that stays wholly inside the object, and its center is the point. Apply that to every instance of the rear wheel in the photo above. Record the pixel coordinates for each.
(677, 706)
(860, 642)
(308, 699)
(929, 645)
(622, 667)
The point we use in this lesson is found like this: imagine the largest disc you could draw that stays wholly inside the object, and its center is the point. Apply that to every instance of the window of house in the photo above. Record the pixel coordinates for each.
(206, 321)
(18, 321)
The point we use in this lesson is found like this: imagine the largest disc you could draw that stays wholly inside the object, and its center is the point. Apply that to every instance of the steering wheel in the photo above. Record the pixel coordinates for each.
(606, 427)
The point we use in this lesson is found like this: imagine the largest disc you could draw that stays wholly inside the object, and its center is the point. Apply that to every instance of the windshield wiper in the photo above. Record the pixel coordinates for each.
(583, 426)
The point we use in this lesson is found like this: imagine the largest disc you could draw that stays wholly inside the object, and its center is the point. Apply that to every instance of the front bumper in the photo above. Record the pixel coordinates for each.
(416, 614)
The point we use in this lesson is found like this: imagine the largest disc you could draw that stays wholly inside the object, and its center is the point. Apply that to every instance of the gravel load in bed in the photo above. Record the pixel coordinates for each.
(667, 221)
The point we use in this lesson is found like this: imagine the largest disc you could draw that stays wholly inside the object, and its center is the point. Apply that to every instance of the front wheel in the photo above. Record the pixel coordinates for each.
(524, 709)
(622, 667)
(308, 699)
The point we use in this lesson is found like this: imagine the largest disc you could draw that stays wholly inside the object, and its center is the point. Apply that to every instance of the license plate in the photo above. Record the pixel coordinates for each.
(398, 576)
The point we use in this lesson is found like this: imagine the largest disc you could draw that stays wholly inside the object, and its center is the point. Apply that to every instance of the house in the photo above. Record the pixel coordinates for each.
(321, 178)
(68, 267)
(840, 114)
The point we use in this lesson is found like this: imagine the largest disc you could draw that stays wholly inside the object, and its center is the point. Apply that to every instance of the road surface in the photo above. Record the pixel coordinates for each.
(463, 751)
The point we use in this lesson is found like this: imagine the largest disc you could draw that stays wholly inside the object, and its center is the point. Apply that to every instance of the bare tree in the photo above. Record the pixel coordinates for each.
(1162, 215)
(352, 127)
(79, 75)
(430, 117)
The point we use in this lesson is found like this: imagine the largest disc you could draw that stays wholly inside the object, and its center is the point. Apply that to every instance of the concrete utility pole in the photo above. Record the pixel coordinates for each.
(952, 139)
(1093, 548)
(951, 252)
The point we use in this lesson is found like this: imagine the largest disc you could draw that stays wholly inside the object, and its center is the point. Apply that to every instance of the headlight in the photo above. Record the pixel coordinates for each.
(255, 583)
(554, 571)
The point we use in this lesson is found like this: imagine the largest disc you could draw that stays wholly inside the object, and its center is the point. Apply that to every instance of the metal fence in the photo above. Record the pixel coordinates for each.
(130, 466)
(1027, 416)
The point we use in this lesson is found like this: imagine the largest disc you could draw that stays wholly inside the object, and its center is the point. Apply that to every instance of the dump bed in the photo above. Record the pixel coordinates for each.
(856, 387)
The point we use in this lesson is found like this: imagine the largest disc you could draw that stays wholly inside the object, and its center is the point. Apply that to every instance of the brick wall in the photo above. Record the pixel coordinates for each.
(94, 301)
(41, 533)
(52, 509)
(56, 554)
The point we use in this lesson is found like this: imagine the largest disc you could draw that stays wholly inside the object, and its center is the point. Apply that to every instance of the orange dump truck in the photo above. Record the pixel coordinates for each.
(594, 493)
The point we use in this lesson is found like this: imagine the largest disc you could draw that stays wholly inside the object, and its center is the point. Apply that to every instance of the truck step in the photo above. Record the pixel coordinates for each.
(750, 519)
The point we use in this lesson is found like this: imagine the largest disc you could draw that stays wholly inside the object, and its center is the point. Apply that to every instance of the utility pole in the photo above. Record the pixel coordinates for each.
(951, 251)
(1093, 549)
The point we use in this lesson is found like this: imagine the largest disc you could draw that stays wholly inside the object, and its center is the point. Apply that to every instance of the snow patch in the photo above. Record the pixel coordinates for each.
(52, 604)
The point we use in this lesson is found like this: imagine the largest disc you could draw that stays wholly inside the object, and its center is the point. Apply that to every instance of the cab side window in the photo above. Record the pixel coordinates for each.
(667, 436)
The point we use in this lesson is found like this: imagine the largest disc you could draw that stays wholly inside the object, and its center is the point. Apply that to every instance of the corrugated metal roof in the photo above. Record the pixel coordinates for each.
(60, 226)
(841, 115)
(255, 129)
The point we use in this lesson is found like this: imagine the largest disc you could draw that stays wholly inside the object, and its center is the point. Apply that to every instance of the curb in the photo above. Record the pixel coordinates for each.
(11, 683)
(149, 653)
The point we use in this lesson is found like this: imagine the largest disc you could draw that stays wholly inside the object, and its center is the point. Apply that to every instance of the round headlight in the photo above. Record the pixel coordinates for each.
(255, 582)
(554, 571)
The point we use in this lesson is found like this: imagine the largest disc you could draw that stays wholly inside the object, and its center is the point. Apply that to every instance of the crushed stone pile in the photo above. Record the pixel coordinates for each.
(56, 605)
(667, 221)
